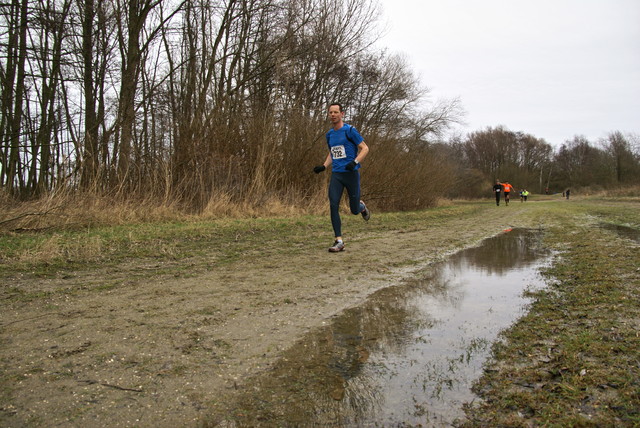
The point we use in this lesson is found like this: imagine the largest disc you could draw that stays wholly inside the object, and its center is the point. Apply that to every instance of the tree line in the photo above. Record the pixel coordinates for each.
(190, 100)
(532, 163)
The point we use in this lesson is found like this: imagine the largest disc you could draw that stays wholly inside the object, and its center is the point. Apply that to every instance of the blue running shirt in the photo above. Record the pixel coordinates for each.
(343, 148)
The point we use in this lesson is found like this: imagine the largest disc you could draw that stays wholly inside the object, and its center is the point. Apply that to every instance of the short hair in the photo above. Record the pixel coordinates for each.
(337, 104)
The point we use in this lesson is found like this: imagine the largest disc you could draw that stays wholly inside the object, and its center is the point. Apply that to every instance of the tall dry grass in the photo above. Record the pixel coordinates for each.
(628, 191)
(73, 210)
(273, 179)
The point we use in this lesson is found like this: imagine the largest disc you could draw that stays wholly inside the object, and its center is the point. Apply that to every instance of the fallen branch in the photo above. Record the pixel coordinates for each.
(21, 216)
(121, 388)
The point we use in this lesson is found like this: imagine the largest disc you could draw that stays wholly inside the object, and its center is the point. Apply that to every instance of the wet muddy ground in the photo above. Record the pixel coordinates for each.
(623, 231)
(409, 354)
(131, 345)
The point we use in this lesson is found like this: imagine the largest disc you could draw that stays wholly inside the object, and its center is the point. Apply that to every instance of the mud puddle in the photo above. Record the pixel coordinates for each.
(409, 354)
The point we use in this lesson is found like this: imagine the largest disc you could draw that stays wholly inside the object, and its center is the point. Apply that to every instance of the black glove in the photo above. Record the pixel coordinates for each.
(318, 169)
(351, 165)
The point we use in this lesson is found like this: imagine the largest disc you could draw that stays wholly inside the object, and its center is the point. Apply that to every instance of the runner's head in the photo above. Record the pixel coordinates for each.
(336, 114)
(340, 108)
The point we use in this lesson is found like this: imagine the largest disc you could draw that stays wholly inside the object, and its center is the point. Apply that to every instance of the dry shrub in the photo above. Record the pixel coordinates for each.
(592, 190)
(410, 179)
(266, 204)
(45, 212)
(601, 191)
(627, 191)
(68, 210)
(470, 184)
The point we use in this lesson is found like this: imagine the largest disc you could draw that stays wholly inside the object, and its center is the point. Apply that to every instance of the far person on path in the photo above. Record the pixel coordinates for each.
(346, 150)
(497, 190)
(507, 189)
(567, 193)
(525, 194)
(521, 195)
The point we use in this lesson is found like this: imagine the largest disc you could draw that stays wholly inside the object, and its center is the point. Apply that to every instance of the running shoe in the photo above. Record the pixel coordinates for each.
(366, 214)
(337, 247)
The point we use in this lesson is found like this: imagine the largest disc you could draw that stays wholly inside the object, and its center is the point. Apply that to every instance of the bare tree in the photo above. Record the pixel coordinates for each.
(48, 57)
(90, 161)
(16, 18)
(626, 164)
(579, 163)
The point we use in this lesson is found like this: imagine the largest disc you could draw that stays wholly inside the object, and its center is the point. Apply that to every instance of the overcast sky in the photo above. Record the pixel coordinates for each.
(550, 68)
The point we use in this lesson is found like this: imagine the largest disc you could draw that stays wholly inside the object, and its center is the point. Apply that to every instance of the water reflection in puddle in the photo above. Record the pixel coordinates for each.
(408, 355)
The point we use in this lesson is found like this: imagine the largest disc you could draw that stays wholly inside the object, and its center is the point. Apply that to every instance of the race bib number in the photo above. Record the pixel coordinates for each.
(338, 152)
(497, 190)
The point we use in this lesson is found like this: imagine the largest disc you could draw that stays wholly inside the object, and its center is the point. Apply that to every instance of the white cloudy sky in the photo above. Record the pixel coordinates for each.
(550, 68)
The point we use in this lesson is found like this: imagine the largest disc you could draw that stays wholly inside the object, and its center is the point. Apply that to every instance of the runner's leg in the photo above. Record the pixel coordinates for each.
(335, 193)
(352, 183)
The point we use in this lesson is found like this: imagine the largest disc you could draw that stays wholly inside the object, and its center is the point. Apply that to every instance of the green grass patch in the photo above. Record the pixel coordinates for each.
(47, 253)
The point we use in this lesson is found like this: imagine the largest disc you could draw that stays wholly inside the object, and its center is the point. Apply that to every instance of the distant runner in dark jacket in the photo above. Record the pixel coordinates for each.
(497, 189)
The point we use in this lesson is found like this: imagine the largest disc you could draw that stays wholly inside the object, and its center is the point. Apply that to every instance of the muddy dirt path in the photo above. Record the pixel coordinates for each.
(101, 350)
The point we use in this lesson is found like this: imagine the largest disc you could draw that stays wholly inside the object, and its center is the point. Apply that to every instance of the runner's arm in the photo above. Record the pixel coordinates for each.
(363, 150)
(328, 161)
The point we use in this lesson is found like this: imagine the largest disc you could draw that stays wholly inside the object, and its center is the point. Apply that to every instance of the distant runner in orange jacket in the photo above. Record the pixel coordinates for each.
(507, 189)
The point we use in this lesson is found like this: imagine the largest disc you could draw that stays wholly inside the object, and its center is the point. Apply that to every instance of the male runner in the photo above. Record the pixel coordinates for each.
(497, 189)
(507, 189)
(346, 150)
